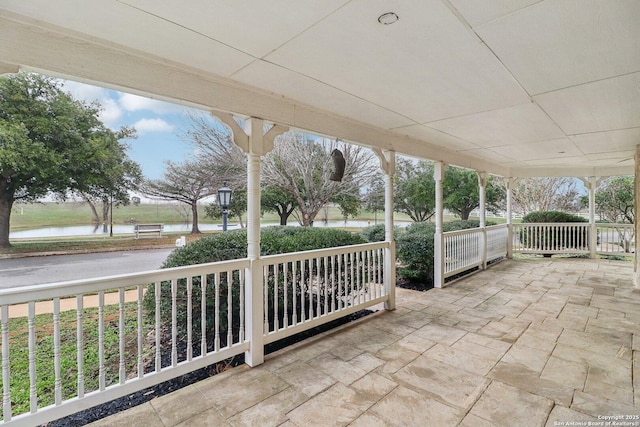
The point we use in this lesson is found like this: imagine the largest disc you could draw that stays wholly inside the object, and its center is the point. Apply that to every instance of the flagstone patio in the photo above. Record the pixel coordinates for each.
(535, 342)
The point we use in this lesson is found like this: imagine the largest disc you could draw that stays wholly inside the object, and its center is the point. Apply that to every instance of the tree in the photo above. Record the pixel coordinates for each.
(615, 200)
(117, 175)
(546, 194)
(461, 192)
(273, 199)
(414, 189)
(186, 182)
(374, 198)
(300, 167)
(49, 143)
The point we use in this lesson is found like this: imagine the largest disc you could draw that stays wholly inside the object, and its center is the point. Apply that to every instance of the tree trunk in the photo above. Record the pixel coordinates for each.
(464, 214)
(106, 207)
(5, 219)
(94, 211)
(194, 216)
(284, 213)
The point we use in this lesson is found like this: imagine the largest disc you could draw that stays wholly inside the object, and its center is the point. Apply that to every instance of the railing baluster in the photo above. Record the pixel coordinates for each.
(174, 322)
(158, 331)
(57, 382)
(101, 368)
(334, 296)
(189, 318)
(6, 372)
(318, 286)
(121, 336)
(203, 315)
(326, 284)
(229, 308)
(241, 273)
(33, 396)
(80, 344)
(216, 340)
(303, 291)
(140, 330)
(276, 326)
(285, 288)
(294, 290)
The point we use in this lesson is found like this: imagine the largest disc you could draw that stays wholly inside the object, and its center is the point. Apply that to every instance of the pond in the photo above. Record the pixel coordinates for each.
(103, 229)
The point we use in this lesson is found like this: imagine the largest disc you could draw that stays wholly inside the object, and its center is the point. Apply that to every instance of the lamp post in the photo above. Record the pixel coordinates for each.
(224, 200)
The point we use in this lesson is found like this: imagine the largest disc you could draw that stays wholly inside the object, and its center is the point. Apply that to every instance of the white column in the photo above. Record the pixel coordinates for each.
(510, 184)
(388, 164)
(253, 141)
(636, 208)
(593, 233)
(482, 193)
(438, 242)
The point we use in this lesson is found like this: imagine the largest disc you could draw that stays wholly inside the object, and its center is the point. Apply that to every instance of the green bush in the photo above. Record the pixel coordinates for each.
(415, 248)
(233, 245)
(552, 216)
(557, 239)
(375, 233)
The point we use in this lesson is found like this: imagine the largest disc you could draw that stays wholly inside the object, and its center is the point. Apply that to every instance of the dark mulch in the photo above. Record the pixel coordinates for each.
(142, 396)
(413, 285)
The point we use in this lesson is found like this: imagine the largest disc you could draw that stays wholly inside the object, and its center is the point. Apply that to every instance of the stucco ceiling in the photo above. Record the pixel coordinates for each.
(514, 87)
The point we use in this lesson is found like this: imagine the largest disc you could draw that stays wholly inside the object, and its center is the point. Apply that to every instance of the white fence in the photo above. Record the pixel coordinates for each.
(112, 336)
(466, 249)
(572, 238)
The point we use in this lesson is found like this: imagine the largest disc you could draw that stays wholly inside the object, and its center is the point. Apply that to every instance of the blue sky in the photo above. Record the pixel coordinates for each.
(158, 124)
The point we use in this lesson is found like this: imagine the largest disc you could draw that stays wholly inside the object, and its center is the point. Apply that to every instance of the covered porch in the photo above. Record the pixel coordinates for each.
(529, 342)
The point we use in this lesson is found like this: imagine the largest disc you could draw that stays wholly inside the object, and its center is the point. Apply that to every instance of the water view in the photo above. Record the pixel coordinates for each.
(94, 230)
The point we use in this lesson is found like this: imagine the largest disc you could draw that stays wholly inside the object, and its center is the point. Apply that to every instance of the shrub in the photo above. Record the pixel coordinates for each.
(233, 245)
(552, 216)
(415, 249)
(554, 239)
(375, 233)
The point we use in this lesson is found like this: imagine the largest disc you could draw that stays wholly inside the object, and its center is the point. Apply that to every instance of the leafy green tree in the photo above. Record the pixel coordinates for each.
(461, 192)
(273, 199)
(110, 184)
(373, 199)
(414, 189)
(615, 199)
(49, 143)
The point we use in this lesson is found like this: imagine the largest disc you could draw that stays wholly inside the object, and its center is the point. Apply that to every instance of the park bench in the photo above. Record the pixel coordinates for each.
(148, 228)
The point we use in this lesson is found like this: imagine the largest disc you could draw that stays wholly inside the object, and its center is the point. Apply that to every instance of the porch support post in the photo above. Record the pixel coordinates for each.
(388, 165)
(511, 182)
(593, 232)
(636, 222)
(482, 192)
(438, 243)
(253, 141)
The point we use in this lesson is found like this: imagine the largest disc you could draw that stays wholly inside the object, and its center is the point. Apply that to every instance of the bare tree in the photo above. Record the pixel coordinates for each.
(301, 168)
(546, 194)
(187, 183)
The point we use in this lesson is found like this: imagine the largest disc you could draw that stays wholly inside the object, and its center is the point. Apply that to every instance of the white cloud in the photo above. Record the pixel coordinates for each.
(152, 125)
(111, 112)
(136, 103)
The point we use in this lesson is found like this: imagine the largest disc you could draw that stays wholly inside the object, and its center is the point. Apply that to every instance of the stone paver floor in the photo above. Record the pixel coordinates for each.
(539, 342)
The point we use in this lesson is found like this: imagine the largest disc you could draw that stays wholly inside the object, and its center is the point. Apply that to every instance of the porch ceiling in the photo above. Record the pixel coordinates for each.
(517, 88)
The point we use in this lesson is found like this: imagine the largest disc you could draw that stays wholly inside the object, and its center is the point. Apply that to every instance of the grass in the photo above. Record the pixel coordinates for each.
(44, 360)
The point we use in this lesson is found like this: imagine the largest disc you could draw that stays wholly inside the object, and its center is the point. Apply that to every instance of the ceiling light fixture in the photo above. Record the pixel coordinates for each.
(388, 18)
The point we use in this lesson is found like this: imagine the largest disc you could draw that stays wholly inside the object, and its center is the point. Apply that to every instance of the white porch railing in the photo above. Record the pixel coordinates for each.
(615, 239)
(158, 325)
(464, 249)
(551, 238)
(306, 289)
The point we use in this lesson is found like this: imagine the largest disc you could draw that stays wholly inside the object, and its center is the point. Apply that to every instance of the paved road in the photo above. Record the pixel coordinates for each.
(48, 269)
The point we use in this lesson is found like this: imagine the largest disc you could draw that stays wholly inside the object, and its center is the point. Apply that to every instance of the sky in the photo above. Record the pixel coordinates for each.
(158, 124)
